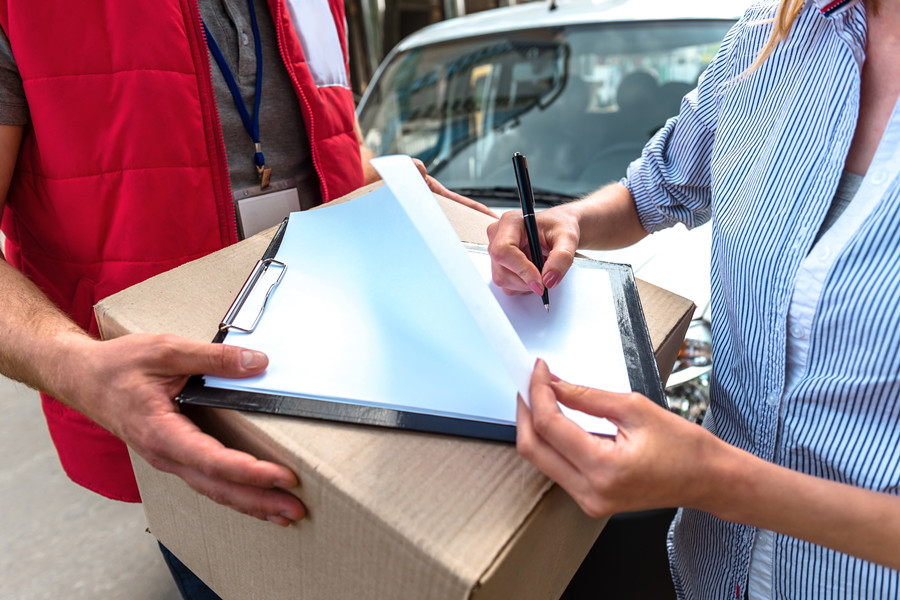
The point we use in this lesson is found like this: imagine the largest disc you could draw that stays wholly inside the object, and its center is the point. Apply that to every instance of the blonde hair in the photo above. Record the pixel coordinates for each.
(788, 11)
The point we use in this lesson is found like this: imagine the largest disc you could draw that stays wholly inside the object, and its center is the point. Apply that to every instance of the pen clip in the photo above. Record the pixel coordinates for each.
(523, 183)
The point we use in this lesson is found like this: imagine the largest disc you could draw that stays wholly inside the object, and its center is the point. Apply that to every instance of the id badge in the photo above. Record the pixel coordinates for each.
(258, 213)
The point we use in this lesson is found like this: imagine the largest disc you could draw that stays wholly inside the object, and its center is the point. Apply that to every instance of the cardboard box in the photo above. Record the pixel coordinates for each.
(392, 514)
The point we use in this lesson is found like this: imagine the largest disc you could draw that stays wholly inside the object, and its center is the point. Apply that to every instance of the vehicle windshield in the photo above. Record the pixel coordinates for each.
(579, 102)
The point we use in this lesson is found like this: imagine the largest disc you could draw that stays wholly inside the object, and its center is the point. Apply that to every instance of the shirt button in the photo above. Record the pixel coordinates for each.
(824, 253)
(879, 176)
(245, 38)
(772, 399)
(798, 332)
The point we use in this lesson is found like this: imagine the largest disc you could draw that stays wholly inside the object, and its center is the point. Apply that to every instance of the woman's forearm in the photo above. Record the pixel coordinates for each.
(852, 520)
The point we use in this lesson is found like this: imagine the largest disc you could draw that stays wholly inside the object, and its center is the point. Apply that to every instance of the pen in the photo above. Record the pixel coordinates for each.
(526, 197)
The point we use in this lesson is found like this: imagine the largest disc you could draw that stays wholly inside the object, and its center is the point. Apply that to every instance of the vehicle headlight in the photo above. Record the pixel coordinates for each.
(687, 389)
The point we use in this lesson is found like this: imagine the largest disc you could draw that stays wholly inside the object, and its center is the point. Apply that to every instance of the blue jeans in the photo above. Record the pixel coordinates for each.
(190, 586)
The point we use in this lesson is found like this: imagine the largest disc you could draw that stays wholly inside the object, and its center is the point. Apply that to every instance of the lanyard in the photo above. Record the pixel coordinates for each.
(251, 125)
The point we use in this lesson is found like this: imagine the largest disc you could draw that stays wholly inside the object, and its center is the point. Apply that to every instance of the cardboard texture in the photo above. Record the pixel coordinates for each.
(392, 513)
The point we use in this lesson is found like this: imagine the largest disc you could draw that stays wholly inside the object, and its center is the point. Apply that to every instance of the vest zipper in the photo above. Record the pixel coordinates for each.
(311, 133)
(221, 155)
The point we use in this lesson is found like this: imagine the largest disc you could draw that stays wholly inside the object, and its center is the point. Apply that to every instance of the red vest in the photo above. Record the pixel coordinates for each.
(122, 171)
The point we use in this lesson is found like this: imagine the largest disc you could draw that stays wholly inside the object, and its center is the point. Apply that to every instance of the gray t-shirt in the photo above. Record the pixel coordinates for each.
(13, 107)
(846, 190)
(283, 136)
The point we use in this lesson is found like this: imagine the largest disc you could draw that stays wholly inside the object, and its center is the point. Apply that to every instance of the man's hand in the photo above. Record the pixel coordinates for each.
(438, 188)
(127, 386)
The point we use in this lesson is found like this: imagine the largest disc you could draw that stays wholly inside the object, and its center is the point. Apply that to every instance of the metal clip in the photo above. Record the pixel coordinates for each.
(259, 270)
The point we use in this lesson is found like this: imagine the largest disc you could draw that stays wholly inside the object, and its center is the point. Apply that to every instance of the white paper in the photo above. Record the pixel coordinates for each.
(370, 311)
(403, 178)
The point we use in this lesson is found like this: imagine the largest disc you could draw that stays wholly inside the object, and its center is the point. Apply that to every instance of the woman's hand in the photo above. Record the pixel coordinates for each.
(642, 468)
(511, 268)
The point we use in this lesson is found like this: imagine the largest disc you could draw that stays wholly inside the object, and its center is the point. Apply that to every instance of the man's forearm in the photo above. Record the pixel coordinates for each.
(31, 331)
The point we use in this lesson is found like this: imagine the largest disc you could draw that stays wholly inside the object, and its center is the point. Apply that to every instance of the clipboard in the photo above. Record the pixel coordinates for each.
(637, 349)
(373, 312)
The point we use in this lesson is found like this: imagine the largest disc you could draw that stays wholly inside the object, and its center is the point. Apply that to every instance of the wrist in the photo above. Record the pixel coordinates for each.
(68, 361)
(728, 482)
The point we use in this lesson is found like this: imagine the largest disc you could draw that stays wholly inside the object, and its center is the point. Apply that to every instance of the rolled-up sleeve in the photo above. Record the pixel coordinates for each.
(670, 182)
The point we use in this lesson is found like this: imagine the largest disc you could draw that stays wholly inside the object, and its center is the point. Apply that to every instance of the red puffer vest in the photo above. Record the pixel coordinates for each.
(122, 172)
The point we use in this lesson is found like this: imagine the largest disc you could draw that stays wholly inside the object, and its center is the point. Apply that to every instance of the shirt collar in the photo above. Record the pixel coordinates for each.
(830, 8)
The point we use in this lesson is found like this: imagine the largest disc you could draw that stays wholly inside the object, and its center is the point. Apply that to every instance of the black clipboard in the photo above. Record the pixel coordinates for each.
(637, 348)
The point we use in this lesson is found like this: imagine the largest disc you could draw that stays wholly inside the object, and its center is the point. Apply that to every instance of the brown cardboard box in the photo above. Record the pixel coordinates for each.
(392, 514)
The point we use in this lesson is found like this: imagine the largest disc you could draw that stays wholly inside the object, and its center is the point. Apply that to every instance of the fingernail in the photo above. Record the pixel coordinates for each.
(278, 520)
(280, 483)
(250, 359)
(551, 279)
(536, 288)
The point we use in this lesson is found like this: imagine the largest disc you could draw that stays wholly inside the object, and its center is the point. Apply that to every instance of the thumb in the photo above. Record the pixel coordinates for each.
(179, 356)
(616, 407)
(233, 361)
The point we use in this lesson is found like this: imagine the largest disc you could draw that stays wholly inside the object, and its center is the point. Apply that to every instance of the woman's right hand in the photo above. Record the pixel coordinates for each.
(511, 269)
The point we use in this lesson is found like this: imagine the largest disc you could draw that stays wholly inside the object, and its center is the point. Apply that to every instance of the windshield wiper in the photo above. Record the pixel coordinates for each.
(543, 197)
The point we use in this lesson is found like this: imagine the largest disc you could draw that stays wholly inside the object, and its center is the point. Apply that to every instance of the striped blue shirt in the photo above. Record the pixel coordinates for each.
(761, 156)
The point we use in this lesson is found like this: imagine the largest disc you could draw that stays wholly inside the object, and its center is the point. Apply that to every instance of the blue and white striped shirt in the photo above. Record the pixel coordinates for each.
(761, 156)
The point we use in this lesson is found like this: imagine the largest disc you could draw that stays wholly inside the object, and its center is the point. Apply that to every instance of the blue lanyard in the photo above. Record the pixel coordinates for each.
(251, 125)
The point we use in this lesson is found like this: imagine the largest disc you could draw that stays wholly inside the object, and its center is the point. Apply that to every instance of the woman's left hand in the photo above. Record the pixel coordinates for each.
(651, 463)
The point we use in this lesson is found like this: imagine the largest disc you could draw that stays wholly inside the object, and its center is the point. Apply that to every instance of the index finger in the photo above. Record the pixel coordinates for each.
(180, 441)
(561, 433)
(511, 269)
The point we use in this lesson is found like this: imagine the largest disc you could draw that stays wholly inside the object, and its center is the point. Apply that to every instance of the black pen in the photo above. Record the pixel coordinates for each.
(526, 197)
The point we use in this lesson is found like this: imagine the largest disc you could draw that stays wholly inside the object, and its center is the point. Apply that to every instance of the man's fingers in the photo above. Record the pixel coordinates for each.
(438, 188)
(228, 476)
(268, 504)
(421, 167)
(178, 440)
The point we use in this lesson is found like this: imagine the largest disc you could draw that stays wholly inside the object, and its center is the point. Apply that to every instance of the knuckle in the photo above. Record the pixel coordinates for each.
(592, 506)
(210, 470)
(164, 348)
(524, 447)
(148, 443)
(217, 496)
(221, 357)
(543, 424)
(158, 463)
(491, 232)
(632, 398)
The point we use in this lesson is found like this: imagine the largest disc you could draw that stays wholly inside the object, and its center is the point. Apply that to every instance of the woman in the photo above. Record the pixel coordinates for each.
(791, 146)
